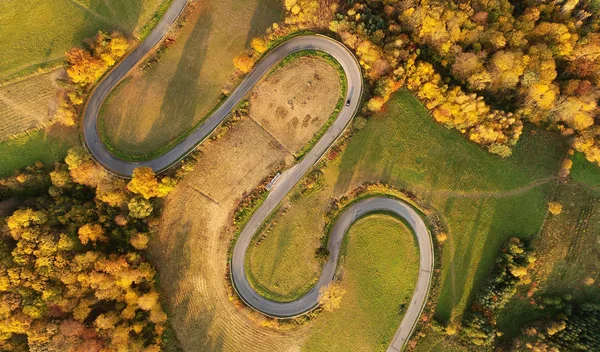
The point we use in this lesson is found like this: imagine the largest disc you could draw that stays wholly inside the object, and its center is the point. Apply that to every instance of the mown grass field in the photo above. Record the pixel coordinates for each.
(38, 32)
(379, 271)
(484, 199)
(28, 104)
(151, 110)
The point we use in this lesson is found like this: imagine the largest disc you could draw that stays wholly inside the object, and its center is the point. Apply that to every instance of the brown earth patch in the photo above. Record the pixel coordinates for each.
(296, 100)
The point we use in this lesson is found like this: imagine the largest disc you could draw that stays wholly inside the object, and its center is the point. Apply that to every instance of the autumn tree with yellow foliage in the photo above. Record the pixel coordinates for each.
(85, 67)
(244, 63)
(330, 297)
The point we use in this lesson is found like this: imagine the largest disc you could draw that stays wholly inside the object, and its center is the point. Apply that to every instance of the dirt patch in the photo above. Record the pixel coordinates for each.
(191, 248)
(296, 100)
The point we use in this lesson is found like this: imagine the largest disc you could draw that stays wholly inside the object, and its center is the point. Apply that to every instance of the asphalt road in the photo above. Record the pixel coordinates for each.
(289, 178)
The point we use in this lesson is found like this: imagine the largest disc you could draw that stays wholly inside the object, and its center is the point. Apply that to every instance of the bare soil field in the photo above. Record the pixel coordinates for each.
(295, 100)
(153, 108)
(28, 104)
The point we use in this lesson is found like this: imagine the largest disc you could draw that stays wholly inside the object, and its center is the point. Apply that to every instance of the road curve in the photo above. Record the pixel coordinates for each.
(311, 299)
(290, 177)
(309, 42)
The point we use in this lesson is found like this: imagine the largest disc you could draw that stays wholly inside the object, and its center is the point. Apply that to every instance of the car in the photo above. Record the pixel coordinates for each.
(348, 102)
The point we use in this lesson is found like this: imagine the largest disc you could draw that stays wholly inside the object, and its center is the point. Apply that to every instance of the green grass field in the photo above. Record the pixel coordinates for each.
(379, 271)
(39, 32)
(149, 111)
(47, 146)
(584, 171)
(483, 199)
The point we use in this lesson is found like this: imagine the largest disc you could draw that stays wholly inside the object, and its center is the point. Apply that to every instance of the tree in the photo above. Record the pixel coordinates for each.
(259, 45)
(243, 63)
(442, 237)
(144, 182)
(555, 208)
(65, 115)
(91, 232)
(139, 241)
(148, 301)
(109, 48)
(577, 112)
(467, 65)
(76, 156)
(83, 68)
(505, 68)
(60, 177)
(556, 35)
(375, 104)
(139, 208)
(330, 297)
(23, 219)
(112, 192)
(451, 329)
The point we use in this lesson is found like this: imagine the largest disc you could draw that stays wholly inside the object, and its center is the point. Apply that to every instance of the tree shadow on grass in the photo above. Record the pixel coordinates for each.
(351, 162)
(178, 110)
(520, 216)
(123, 15)
(452, 292)
(259, 22)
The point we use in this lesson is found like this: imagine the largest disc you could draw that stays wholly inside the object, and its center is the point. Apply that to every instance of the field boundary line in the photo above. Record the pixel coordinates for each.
(262, 128)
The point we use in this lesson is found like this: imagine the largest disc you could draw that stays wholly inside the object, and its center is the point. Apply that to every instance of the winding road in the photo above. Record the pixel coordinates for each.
(289, 178)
